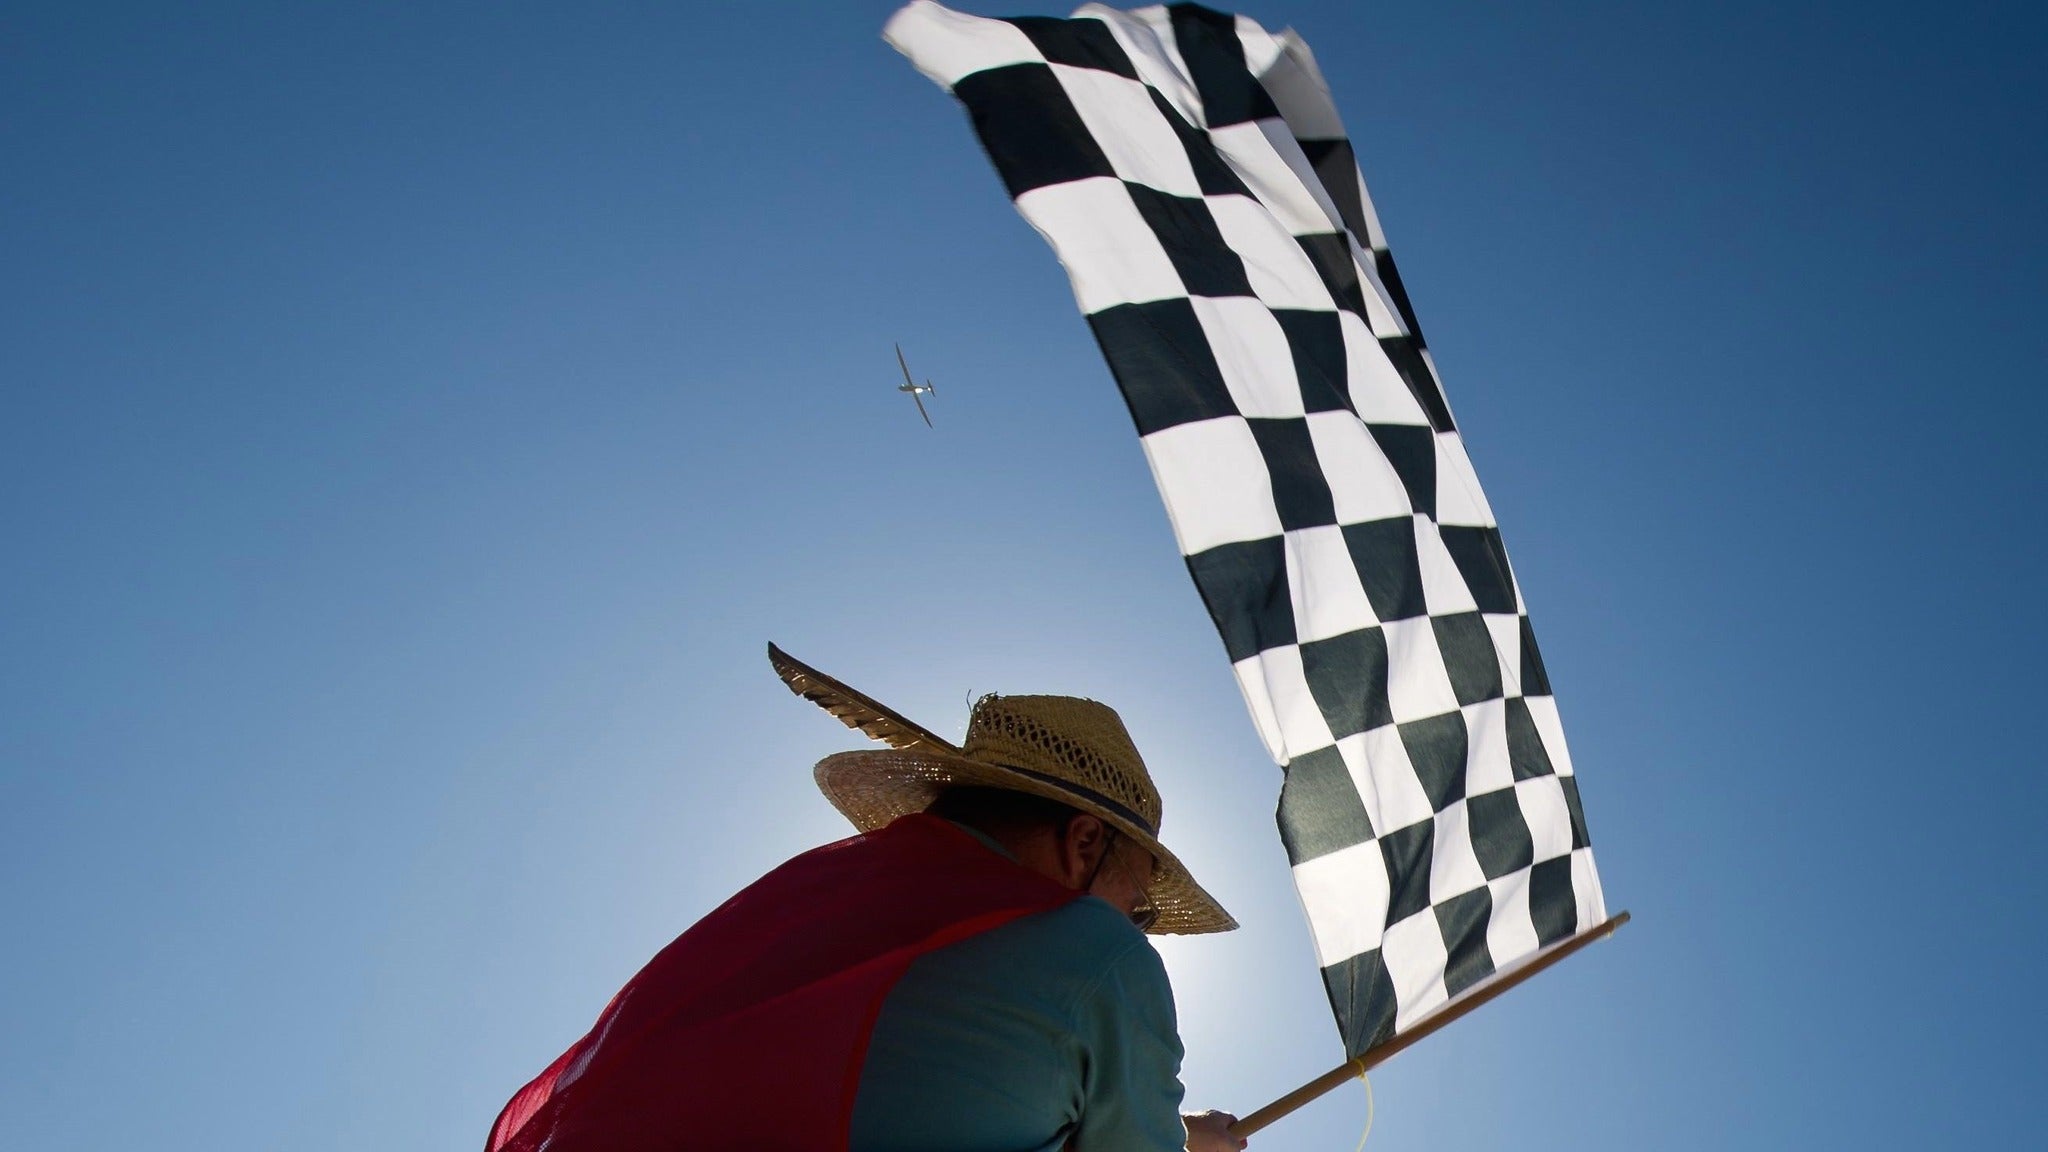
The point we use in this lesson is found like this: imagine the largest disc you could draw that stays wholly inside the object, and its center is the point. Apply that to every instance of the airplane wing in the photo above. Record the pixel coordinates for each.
(920, 408)
(906, 368)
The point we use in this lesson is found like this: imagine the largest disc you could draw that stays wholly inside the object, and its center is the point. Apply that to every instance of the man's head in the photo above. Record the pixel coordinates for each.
(1087, 813)
(1072, 848)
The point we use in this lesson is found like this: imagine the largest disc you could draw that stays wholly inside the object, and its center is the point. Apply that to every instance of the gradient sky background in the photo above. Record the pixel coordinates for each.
(414, 420)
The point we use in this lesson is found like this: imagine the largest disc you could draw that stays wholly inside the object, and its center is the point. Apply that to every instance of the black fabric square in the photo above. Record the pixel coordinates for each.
(1383, 551)
(1463, 920)
(1468, 656)
(1553, 906)
(1406, 356)
(1337, 167)
(1300, 493)
(1330, 252)
(1362, 995)
(1081, 43)
(1436, 747)
(1411, 449)
(1030, 128)
(1214, 55)
(1571, 802)
(1320, 811)
(1535, 681)
(1245, 588)
(1212, 175)
(1500, 833)
(1407, 853)
(1390, 279)
(1526, 753)
(1185, 228)
(1348, 677)
(1483, 561)
(1162, 364)
(1318, 346)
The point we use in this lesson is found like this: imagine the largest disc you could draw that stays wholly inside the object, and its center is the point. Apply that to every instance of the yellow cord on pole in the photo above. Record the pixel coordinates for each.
(1367, 1080)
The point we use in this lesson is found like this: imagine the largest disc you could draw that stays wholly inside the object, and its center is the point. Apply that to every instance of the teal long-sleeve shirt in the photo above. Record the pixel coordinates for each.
(1056, 1026)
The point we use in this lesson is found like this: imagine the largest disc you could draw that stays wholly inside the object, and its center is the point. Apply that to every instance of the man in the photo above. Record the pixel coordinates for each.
(970, 973)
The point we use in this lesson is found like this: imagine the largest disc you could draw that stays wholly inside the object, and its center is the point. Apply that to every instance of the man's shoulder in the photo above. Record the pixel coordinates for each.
(1094, 919)
(1087, 923)
(1080, 944)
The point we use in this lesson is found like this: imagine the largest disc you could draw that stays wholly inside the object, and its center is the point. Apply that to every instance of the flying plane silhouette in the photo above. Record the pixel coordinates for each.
(914, 388)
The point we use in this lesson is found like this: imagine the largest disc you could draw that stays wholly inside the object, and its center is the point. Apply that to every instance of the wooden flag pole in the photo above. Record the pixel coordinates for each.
(1464, 1003)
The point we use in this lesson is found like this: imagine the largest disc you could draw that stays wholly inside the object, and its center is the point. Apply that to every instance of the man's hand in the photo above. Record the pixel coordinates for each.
(1210, 1132)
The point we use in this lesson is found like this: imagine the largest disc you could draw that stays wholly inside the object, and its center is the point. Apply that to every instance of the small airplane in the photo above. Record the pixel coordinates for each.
(913, 387)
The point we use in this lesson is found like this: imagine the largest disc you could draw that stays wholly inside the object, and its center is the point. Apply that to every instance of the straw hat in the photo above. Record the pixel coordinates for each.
(1061, 747)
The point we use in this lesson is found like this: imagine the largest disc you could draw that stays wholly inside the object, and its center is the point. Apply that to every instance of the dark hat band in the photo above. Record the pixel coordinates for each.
(1088, 794)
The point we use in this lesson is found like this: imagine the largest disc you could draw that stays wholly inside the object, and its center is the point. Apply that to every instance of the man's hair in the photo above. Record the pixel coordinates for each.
(1001, 811)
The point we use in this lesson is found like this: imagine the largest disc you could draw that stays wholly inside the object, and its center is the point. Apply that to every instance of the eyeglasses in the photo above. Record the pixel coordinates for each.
(1146, 914)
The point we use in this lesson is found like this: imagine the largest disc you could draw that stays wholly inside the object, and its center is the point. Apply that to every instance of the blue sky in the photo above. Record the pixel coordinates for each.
(415, 419)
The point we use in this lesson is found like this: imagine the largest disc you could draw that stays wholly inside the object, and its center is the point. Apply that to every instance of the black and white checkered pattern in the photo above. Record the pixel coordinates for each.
(1191, 173)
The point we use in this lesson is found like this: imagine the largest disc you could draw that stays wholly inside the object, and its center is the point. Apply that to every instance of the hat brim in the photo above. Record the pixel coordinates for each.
(873, 787)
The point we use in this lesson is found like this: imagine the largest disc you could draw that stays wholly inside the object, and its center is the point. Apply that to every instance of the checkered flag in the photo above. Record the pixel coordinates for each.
(1191, 173)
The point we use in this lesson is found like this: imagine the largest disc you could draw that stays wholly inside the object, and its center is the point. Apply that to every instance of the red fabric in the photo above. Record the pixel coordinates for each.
(749, 1030)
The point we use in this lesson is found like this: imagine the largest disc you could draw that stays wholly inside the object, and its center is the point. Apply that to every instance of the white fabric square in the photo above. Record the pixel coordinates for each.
(1507, 644)
(1543, 710)
(1363, 486)
(1249, 152)
(946, 45)
(1444, 591)
(1120, 115)
(1414, 953)
(1550, 821)
(1111, 256)
(1418, 687)
(1214, 482)
(1261, 51)
(1302, 727)
(1510, 930)
(1345, 896)
(1377, 390)
(1487, 765)
(1458, 498)
(1251, 680)
(1322, 582)
(1253, 354)
(1385, 779)
(1281, 142)
(1279, 271)
(1586, 886)
(1453, 866)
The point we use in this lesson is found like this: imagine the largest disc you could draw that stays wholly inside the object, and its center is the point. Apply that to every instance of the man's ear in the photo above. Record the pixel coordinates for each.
(1081, 847)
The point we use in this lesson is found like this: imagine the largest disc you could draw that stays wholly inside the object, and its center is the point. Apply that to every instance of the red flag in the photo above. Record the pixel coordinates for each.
(749, 1030)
